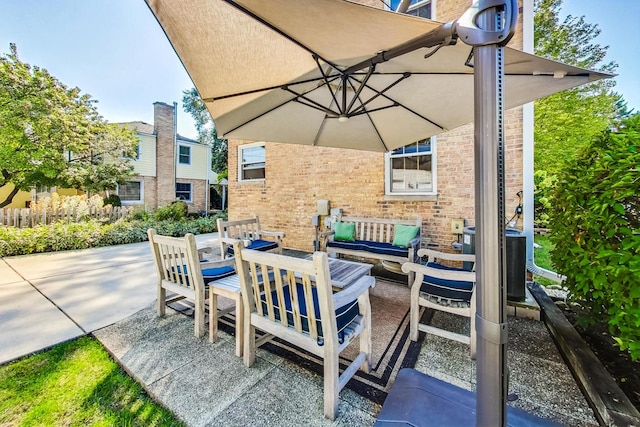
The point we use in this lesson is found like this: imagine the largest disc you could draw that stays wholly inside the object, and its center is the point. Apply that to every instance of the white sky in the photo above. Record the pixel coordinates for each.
(116, 51)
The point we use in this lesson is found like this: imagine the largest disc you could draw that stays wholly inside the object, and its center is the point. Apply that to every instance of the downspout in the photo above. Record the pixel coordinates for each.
(527, 156)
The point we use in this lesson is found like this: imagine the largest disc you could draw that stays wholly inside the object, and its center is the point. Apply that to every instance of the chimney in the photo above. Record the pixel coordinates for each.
(164, 127)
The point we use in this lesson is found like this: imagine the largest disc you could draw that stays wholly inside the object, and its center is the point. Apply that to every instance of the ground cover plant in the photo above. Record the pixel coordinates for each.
(72, 384)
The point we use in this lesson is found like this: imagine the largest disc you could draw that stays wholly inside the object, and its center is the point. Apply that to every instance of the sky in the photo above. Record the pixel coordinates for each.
(116, 51)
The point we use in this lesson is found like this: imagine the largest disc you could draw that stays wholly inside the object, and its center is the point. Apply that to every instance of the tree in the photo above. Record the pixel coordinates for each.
(207, 133)
(52, 135)
(569, 120)
(595, 218)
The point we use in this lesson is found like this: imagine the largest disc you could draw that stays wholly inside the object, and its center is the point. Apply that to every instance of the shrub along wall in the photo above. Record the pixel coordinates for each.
(61, 236)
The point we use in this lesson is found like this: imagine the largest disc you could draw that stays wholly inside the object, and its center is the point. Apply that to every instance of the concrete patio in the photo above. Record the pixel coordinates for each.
(50, 298)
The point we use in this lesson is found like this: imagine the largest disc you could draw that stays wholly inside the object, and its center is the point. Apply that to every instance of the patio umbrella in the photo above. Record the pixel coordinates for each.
(339, 74)
(262, 66)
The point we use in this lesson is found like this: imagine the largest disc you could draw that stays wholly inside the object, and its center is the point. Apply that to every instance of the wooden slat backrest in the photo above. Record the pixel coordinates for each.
(264, 274)
(172, 255)
(378, 229)
(240, 229)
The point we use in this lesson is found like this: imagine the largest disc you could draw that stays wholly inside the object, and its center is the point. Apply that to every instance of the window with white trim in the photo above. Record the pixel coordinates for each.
(183, 191)
(184, 154)
(410, 170)
(131, 192)
(251, 162)
(421, 8)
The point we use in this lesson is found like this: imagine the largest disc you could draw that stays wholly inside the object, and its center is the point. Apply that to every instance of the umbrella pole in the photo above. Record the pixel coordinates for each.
(491, 326)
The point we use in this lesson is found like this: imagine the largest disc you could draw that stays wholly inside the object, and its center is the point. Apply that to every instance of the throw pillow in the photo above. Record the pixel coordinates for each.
(345, 231)
(404, 234)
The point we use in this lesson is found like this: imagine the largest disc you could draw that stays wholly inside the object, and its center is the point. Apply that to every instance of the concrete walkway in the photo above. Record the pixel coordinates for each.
(49, 298)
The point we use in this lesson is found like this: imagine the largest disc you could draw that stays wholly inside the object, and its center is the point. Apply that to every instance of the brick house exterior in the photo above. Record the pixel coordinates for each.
(164, 175)
(296, 176)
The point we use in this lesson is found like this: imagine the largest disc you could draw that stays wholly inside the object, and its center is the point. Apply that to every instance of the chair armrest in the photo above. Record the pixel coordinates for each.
(434, 255)
(353, 291)
(218, 263)
(204, 251)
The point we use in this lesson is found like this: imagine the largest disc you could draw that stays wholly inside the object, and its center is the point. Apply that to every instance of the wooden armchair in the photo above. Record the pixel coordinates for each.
(314, 318)
(445, 288)
(181, 272)
(249, 231)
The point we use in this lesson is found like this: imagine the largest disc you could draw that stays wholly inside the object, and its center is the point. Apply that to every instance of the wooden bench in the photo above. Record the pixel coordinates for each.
(374, 239)
(250, 232)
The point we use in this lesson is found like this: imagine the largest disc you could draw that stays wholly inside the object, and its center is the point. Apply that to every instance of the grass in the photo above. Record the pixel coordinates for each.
(542, 258)
(75, 384)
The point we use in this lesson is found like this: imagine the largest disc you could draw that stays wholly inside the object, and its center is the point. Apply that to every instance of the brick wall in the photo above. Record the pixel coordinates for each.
(297, 176)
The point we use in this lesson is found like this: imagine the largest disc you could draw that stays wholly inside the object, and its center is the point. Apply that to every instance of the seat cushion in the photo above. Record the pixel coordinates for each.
(258, 245)
(454, 290)
(373, 247)
(344, 315)
(211, 274)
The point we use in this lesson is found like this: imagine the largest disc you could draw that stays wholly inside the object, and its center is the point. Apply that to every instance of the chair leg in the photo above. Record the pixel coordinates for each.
(213, 315)
(365, 335)
(331, 381)
(249, 351)
(199, 317)
(162, 296)
(414, 317)
(239, 325)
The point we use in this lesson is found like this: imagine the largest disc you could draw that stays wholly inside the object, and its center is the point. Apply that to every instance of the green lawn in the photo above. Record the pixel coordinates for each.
(75, 384)
(542, 258)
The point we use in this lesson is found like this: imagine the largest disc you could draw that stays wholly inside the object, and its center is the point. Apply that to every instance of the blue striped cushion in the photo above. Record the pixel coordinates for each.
(373, 247)
(344, 315)
(211, 274)
(258, 245)
(454, 290)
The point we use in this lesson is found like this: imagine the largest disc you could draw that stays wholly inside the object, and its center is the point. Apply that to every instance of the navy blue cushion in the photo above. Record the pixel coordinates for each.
(373, 247)
(454, 290)
(211, 274)
(258, 245)
(344, 315)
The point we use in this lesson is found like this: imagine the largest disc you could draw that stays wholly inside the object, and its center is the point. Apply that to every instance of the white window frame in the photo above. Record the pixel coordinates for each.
(133, 202)
(190, 200)
(180, 162)
(241, 164)
(419, 4)
(434, 173)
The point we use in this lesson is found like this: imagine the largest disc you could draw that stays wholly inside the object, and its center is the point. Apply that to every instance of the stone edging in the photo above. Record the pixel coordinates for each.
(610, 405)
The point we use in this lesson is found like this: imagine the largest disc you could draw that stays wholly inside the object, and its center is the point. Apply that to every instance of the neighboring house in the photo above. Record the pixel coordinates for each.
(433, 178)
(168, 166)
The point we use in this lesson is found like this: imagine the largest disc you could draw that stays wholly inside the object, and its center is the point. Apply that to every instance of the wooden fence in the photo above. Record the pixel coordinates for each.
(26, 217)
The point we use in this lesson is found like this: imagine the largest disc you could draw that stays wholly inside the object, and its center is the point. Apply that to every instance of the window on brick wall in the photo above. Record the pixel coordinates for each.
(251, 162)
(410, 170)
(183, 191)
(421, 8)
(131, 192)
(184, 155)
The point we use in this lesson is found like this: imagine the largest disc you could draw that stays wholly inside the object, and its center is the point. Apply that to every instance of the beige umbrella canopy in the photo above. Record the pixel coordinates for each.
(255, 62)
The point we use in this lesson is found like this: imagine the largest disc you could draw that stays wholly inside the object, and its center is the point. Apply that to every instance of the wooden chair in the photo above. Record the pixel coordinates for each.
(315, 319)
(445, 288)
(249, 231)
(180, 271)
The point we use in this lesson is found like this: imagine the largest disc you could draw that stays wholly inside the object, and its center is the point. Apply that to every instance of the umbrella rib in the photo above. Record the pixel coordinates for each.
(311, 103)
(378, 93)
(326, 79)
(362, 85)
(249, 92)
(277, 30)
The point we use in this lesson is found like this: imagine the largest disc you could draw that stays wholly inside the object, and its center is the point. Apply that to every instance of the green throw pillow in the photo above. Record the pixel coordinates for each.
(404, 234)
(345, 231)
